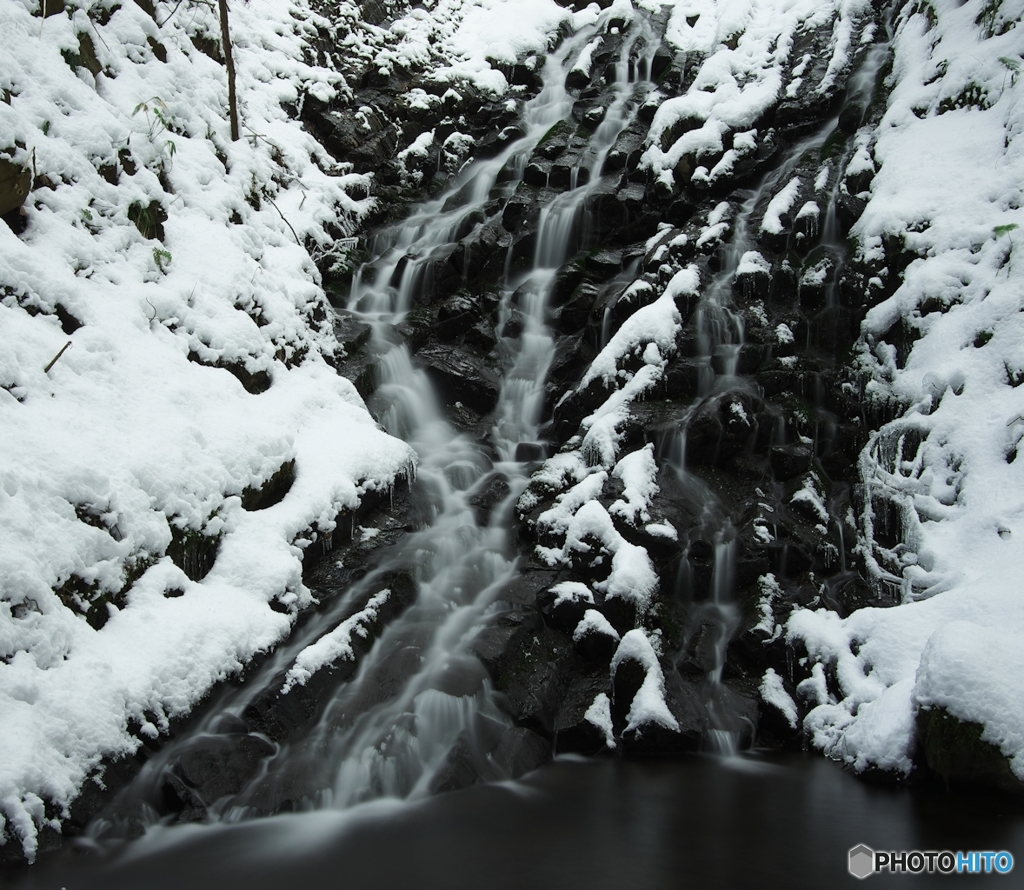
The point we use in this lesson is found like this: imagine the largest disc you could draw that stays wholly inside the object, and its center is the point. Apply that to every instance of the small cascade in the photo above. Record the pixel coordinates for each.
(418, 703)
(416, 709)
(714, 615)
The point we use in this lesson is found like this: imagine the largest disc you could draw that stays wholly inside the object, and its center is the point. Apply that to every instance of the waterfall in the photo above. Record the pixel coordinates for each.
(418, 698)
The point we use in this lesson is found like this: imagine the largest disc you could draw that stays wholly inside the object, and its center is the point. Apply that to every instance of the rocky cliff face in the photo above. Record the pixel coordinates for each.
(750, 432)
(683, 241)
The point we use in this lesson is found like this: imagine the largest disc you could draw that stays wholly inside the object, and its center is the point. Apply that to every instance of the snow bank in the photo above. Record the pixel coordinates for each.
(950, 162)
(745, 50)
(177, 263)
(468, 41)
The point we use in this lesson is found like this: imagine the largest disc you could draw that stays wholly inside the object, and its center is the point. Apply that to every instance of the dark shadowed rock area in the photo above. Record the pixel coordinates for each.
(750, 432)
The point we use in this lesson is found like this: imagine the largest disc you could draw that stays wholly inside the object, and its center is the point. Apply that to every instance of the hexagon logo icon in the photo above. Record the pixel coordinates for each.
(862, 861)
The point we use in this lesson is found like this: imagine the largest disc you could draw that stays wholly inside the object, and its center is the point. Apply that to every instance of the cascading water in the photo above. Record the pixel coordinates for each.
(719, 344)
(418, 693)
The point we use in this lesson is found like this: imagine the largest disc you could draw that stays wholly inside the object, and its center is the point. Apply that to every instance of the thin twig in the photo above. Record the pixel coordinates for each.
(280, 214)
(171, 16)
(96, 31)
(53, 361)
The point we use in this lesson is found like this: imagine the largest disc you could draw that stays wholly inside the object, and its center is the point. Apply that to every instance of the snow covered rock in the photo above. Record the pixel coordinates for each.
(175, 440)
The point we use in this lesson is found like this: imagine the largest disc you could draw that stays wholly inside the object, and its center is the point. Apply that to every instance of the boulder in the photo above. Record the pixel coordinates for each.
(15, 183)
(461, 377)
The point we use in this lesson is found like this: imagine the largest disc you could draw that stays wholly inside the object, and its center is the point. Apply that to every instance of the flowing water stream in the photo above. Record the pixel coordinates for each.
(418, 692)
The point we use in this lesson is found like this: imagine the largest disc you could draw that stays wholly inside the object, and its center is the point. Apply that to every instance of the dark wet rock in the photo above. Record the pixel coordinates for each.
(482, 337)
(567, 279)
(513, 327)
(563, 613)
(482, 254)
(594, 644)
(278, 714)
(362, 371)
(954, 749)
(484, 500)
(215, 767)
(350, 332)
(626, 151)
(459, 770)
(495, 141)
(573, 315)
(417, 328)
(572, 357)
(573, 732)
(461, 377)
(456, 315)
(788, 461)
(536, 173)
(524, 587)
(15, 183)
(530, 664)
(603, 263)
(529, 452)
(809, 105)
(518, 211)
(620, 613)
(358, 136)
(520, 751)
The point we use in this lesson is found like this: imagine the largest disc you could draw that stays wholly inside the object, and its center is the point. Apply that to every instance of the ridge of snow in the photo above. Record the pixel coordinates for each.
(135, 433)
(949, 156)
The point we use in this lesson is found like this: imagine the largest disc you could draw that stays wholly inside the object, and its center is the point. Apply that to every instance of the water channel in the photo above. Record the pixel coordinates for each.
(364, 772)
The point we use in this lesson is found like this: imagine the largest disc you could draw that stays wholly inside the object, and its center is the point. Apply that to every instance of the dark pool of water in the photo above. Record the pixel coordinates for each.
(784, 821)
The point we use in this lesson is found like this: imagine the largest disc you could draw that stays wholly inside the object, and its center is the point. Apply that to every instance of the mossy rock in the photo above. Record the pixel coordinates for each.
(15, 182)
(955, 750)
(272, 491)
(149, 219)
(85, 57)
(193, 552)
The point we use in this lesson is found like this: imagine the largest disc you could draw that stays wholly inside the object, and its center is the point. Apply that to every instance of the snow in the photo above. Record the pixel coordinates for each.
(752, 263)
(571, 592)
(134, 435)
(594, 622)
(780, 204)
(773, 692)
(950, 160)
(599, 714)
(656, 323)
(771, 590)
(139, 432)
(334, 645)
(648, 704)
(662, 530)
(638, 472)
(745, 48)
(586, 57)
(808, 494)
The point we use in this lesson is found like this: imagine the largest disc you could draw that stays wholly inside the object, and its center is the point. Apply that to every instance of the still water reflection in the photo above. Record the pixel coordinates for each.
(768, 820)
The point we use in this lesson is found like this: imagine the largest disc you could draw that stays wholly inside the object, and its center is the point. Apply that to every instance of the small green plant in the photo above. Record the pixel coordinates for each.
(990, 20)
(1012, 67)
(159, 120)
(999, 231)
(162, 258)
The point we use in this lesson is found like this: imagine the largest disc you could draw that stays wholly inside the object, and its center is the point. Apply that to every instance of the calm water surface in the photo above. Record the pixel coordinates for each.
(770, 820)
